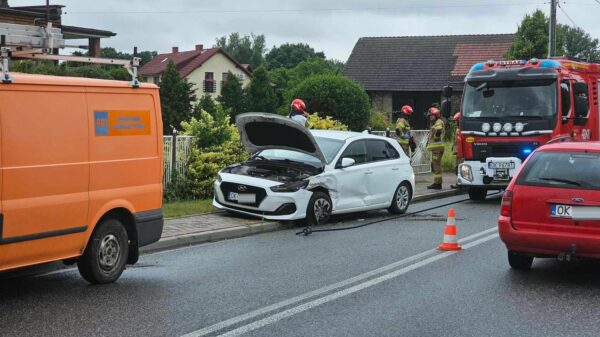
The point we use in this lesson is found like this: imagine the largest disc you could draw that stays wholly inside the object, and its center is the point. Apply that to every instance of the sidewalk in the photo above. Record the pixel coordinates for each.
(221, 225)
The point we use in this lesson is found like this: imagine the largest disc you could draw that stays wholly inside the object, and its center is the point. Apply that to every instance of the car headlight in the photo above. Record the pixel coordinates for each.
(486, 127)
(466, 172)
(497, 127)
(292, 186)
(519, 127)
(507, 127)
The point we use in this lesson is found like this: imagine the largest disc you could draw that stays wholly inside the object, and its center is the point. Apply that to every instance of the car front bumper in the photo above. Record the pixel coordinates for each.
(271, 206)
(474, 173)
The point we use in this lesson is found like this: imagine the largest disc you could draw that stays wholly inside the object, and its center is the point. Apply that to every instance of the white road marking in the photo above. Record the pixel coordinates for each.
(361, 286)
(238, 319)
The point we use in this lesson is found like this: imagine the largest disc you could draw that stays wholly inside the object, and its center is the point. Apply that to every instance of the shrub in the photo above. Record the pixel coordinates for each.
(208, 131)
(379, 121)
(327, 123)
(335, 96)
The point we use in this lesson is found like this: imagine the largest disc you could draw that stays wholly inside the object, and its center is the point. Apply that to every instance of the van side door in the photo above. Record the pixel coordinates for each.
(45, 173)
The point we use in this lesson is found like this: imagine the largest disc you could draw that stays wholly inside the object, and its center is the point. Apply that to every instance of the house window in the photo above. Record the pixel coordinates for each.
(240, 77)
(224, 77)
(209, 82)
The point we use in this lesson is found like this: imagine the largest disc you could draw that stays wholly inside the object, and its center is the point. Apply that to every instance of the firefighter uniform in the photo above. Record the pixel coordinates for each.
(435, 144)
(403, 131)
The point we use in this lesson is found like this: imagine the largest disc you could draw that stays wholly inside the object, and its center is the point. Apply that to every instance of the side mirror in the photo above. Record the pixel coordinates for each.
(447, 91)
(446, 108)
(347, 162)
(581, 107)
(580, 88)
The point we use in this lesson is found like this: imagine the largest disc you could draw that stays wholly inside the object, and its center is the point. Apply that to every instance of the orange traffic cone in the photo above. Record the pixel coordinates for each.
(450, 242)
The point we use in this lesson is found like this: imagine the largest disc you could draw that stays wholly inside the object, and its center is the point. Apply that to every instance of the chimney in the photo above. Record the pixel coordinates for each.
(175, 50)
(199, 47)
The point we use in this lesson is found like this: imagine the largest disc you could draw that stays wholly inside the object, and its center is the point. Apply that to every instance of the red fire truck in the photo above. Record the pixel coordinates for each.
(509, 108)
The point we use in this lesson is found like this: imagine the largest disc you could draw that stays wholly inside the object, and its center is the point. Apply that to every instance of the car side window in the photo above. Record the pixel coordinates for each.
(357, 151)
(565, 88)
(380, 150)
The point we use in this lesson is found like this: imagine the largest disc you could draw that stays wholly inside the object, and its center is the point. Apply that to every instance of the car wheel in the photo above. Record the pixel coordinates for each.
(401, 199)
(319, 209)
(519, 261)
(477, 194)
(105, 256)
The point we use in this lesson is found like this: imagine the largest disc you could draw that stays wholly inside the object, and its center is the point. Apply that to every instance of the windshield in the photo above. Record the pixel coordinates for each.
(329, 147)
(563, 170)
(500, 99)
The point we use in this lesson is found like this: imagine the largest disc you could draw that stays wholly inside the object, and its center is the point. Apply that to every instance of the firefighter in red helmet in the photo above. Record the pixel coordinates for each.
(435, 144)
(403, 130)
(298, 111)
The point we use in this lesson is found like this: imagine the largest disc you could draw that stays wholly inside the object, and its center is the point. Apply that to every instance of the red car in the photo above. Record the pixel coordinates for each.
(552, 206)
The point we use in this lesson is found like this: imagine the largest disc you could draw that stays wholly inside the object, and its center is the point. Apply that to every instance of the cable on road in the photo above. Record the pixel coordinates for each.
(308, 230)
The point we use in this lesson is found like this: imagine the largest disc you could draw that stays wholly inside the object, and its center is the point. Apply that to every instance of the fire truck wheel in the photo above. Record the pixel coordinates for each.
(477, 194)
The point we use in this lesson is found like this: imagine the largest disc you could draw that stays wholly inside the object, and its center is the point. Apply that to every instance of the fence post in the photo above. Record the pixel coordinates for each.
(173, 155)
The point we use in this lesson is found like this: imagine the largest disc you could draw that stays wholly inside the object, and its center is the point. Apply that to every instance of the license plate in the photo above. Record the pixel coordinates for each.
(242, 198)
(561, 211)
(501, 165)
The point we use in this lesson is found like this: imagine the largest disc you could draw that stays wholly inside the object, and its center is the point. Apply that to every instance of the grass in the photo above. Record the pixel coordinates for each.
(448, 159)
(178, 209)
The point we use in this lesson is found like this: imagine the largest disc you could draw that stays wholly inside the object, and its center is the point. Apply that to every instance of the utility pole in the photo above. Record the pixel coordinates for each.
(552, 29)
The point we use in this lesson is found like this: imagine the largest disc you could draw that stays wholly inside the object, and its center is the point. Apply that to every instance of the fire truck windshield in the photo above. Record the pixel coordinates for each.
(527, 99)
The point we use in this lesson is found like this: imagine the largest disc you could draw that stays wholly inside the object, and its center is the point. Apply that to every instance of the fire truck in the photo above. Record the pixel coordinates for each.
(509, 108)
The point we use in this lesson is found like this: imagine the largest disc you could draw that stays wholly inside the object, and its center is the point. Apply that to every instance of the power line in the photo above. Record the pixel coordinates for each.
(567, 15)
(299, 10)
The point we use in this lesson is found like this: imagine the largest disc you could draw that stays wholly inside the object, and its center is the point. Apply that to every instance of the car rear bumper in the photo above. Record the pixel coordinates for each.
(149, 226)
(547, 244)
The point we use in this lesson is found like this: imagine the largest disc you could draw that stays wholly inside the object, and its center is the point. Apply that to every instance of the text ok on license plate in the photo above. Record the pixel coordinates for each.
(561, 211)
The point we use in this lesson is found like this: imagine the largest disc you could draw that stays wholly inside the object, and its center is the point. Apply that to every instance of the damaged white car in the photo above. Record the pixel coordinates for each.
(295, 173)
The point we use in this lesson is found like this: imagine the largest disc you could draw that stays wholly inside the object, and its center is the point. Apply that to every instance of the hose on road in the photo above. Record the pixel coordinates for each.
(308, 230)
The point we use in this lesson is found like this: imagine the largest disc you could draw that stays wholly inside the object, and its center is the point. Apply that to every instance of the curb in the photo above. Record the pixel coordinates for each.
(241, 231)
(211, 236)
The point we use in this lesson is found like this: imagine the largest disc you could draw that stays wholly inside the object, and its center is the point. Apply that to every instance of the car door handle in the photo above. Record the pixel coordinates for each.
(395, 168)
(368, 172)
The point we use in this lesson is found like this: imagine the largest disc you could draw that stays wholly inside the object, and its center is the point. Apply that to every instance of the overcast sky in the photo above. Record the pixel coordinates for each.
(332, 26)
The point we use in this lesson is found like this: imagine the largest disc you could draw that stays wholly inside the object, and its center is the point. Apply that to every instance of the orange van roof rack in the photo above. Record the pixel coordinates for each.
(39, 43)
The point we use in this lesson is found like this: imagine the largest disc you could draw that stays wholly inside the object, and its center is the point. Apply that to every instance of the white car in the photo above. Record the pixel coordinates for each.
(295, 173)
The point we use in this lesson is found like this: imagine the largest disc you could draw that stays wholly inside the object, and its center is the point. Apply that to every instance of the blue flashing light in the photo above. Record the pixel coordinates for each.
(526, 151)
(478, 66)
(549, 64)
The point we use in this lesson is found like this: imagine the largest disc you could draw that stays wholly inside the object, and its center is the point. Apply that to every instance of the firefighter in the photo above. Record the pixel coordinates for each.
(403, 129)
(435, 144)
(298, 111)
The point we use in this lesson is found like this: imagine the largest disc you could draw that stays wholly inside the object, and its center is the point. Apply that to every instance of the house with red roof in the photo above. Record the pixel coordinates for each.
(413, 69)
(207, 68)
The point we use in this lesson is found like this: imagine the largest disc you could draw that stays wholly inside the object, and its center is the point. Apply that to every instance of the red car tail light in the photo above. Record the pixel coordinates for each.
(506, 206)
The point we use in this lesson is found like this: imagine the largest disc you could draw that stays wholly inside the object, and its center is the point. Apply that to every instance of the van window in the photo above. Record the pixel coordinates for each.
(578, 170)
(565, 89)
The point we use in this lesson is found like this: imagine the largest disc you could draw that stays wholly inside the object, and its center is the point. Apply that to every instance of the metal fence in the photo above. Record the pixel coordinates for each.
(176, 152)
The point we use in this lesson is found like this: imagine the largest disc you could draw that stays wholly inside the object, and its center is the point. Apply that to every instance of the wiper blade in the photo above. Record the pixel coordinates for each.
(482, 86)
(561, 180)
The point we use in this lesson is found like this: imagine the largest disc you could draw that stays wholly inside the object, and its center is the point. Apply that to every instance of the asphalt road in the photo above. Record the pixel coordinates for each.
(380, 280)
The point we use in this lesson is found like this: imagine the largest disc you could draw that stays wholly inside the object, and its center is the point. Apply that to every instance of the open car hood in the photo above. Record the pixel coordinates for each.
(260, 131)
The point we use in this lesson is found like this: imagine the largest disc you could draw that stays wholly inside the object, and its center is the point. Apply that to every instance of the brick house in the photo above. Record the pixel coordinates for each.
(35, 15)
(413, 69)
(207, 69)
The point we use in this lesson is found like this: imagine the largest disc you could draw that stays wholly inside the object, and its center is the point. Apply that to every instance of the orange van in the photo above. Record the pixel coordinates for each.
(80, 173)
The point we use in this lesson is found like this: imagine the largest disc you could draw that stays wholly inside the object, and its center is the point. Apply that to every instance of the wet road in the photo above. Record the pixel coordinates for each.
(381, 280)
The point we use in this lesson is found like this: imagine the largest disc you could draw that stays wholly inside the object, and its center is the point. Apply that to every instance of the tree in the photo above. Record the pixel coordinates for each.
(531, 39)
(232, 96)
(577, 43)
(206, 103)
(176, 98)
(288, 55)
(249, 49)
(260, 94)
(336, 96)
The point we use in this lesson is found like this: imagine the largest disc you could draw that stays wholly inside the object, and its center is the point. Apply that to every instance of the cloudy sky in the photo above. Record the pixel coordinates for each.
(332, 26)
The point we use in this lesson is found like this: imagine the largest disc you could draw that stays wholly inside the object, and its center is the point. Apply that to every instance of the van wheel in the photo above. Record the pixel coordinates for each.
(401, 199)
(477, 194)
(319, 209)
(105, 256)
(519, 261)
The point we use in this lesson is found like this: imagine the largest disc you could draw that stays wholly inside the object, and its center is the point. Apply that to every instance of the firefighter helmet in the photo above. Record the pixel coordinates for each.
(407, 110)
(457, 116)
(434, 112)
(298, 105)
